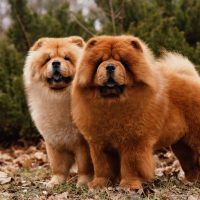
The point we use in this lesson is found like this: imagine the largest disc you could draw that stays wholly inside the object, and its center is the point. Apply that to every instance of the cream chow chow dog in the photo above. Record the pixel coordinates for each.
(48, 73)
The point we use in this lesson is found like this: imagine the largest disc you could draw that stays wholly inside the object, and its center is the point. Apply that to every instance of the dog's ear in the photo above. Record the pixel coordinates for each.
(136, 44)
(38, 44)
(78, 41)
(91, 42)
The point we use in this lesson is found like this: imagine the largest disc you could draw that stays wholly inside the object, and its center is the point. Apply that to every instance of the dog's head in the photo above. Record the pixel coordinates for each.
(112, 65)
(52, 61)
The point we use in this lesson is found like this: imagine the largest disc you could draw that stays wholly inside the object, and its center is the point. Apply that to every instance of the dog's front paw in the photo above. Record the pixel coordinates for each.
(99, 182)
(83, 180)
(56, 180)
(193, 175)
(130, 184)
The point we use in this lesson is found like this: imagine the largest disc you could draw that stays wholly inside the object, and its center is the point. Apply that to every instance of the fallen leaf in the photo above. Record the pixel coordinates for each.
(40, 156)
(191, 197)
(4, 178)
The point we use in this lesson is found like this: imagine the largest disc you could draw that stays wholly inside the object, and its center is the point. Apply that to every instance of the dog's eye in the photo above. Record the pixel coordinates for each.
(98, 62)
(124, 63)
(67, 58)
(47, 60)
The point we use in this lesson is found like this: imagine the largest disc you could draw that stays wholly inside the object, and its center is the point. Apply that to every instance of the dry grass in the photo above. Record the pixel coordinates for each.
(29, 171)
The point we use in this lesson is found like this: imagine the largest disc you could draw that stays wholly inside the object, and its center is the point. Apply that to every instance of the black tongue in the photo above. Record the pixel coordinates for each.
(110, 83)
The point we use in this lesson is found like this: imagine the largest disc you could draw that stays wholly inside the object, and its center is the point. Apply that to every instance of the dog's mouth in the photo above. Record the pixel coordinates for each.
(57, 78)
(58, 81)
(111, 89)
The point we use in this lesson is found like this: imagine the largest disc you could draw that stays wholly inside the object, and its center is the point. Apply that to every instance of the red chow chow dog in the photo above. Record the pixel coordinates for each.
(127, 104)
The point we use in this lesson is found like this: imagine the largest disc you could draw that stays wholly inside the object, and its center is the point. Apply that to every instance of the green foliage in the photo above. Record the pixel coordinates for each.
(28, 25)
(187, 20)
(13, 116)
(172, 25)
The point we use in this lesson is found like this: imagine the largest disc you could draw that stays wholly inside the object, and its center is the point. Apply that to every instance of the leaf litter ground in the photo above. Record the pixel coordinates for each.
(25, 170)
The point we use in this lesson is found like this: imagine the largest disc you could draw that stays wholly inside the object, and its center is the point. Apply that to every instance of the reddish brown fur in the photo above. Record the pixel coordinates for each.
(156, 109)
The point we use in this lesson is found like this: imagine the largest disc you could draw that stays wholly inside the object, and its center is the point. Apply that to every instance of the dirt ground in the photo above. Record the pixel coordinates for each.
(25, 170)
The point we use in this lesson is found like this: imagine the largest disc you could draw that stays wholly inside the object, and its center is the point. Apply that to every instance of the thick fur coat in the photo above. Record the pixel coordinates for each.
(128, 104)
(49, 70)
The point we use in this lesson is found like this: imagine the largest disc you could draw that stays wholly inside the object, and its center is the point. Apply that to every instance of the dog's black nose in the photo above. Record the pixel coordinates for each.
(56, 64)
(110, 68)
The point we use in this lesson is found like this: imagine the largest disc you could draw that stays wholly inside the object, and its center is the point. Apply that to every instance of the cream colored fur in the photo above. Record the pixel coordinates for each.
(177, 63)
(51, 113)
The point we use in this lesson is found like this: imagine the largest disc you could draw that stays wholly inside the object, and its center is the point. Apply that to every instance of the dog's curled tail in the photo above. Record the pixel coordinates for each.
(172, 62)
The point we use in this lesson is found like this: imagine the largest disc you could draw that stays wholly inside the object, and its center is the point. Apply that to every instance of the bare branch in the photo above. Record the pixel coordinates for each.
(82, 25)
(112, 16)
(28, 44)
(117, 13)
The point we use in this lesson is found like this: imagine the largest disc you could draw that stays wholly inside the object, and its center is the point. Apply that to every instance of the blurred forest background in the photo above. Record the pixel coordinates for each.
(170, 24)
